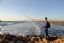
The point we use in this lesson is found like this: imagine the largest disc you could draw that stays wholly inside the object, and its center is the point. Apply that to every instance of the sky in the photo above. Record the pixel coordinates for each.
(24, 9)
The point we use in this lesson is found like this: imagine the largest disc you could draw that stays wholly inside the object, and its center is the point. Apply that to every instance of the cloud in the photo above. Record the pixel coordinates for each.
(14, 18)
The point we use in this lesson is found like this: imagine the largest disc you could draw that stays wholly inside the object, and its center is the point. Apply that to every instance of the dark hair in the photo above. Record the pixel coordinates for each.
(45, 17)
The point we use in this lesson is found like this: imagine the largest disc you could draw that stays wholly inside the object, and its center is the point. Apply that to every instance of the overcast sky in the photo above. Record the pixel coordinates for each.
(17, 9)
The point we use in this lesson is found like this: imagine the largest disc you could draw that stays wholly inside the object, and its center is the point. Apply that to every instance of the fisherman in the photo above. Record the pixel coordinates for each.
(46, 26)
(0, 31)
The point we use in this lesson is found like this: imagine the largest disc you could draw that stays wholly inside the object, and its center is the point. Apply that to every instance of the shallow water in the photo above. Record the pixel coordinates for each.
(31, 28)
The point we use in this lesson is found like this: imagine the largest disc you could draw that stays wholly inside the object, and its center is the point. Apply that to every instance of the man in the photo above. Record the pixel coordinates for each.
(46, 26)
(0, 32)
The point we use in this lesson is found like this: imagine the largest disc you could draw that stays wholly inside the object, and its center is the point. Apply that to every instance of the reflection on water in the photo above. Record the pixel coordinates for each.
(31, 28)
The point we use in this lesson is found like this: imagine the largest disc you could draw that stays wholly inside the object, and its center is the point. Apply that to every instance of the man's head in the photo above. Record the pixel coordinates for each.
(45, 18)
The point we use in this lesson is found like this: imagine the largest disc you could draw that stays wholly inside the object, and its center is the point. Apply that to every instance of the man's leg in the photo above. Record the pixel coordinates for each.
(46, 30)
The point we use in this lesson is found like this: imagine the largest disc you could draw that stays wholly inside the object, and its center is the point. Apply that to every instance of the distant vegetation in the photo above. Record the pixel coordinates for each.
(57, 22)
(0, 20)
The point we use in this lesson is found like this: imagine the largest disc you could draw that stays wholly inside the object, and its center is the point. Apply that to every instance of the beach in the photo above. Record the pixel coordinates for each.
(29, 32)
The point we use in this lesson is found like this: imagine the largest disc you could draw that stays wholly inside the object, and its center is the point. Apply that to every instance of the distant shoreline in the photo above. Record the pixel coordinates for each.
(61, 23)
